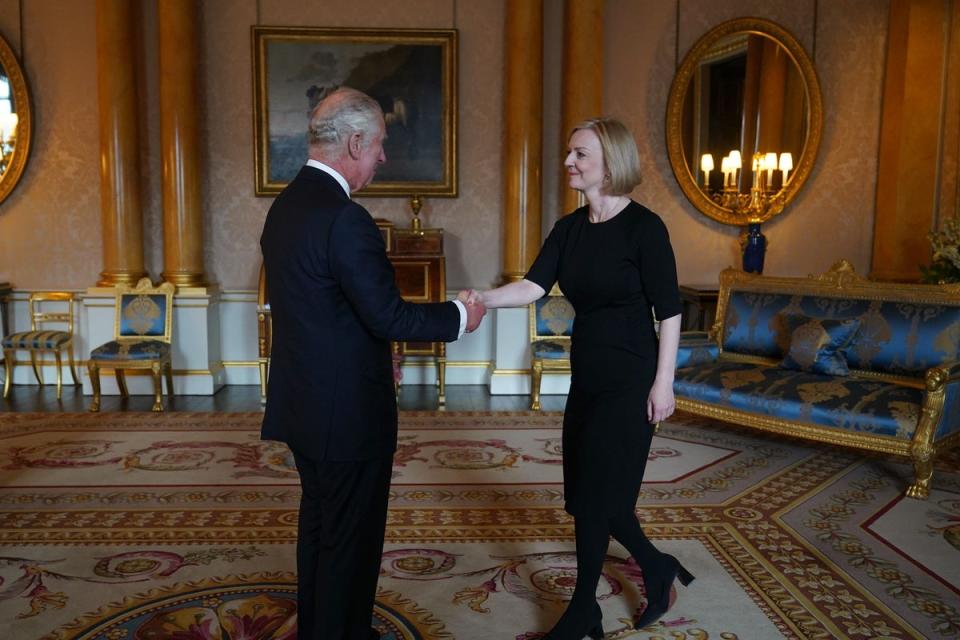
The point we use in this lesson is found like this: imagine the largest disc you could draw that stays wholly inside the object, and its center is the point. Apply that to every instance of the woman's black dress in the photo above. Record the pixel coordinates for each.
(615, 273)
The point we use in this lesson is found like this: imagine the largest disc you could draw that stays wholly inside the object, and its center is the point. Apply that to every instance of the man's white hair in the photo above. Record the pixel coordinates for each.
(341, 114)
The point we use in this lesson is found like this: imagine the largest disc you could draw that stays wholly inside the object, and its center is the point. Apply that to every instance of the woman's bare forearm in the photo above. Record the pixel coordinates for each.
(515, 294)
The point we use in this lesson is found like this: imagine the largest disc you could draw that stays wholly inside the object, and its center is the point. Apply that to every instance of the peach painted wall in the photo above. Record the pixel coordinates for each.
(49, 227)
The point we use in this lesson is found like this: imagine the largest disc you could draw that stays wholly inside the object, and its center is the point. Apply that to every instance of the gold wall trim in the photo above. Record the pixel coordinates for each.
(240, 363)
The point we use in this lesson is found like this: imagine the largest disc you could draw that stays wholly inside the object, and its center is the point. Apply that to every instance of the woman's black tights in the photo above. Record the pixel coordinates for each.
(593, 538)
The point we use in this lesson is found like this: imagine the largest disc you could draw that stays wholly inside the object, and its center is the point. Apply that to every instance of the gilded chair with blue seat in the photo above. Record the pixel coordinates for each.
(46, 308)
(551, 325)
(142, 330)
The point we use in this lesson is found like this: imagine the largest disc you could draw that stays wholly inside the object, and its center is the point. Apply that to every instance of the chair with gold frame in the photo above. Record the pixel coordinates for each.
(142, 330)
(551, 325)
(264, 333)
(40, 339)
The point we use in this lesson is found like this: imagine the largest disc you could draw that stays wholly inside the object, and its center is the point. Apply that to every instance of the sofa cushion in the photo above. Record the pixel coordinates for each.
(851, 403)
(817, 344)
(895, 337)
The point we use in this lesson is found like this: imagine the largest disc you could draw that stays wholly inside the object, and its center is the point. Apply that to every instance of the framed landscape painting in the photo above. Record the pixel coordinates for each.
(412, 73)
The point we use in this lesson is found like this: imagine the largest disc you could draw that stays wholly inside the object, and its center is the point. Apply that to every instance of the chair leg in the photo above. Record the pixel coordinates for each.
(169, 370)
(59, 359)
(95, 383)
(36, 369)
(73, 367)
(442, 381)
(157, 397)
(263, 381)
(536, 375)
(8, 365)
(121, 382)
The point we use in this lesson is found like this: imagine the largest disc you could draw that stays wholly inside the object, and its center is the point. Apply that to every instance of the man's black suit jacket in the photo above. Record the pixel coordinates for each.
(335, 308)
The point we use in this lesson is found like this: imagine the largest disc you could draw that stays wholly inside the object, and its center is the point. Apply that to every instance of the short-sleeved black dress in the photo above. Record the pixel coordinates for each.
(616, 274)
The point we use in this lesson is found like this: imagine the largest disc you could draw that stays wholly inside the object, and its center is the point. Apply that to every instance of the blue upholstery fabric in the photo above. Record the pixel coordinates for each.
(854, 404)
(554, 316)
(894, 337)
(551, 349)
(696, 348)
(131, 350)
(36, 340)
(142, 315)
(817, 344)
(950, 418)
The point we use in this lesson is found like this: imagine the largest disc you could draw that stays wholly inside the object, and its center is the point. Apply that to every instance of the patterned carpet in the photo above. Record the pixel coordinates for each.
(141, 526)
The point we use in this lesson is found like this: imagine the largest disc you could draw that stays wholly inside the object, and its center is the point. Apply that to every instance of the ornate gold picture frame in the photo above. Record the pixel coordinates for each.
(411, 72)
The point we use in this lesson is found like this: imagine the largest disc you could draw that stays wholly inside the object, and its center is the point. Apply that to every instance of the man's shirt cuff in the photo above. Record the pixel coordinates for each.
(463, 318)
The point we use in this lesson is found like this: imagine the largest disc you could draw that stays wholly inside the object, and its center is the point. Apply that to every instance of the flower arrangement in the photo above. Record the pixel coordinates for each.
(946, 254)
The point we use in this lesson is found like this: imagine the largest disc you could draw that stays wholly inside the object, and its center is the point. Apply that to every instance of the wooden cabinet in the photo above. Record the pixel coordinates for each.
(420, 270)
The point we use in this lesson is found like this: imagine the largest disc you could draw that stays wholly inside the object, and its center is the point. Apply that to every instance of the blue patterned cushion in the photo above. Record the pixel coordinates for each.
(895, 337)
(696, 348)
(142, 315)
(131, 350)
(854, 404)
(36, 340)
(817, 344)
(554, 316)
(551, 349)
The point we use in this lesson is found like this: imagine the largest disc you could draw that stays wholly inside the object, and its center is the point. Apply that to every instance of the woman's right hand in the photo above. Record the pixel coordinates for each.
(470, 296)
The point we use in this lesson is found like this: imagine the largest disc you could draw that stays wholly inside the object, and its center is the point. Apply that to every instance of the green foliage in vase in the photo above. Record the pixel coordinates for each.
(946, 254)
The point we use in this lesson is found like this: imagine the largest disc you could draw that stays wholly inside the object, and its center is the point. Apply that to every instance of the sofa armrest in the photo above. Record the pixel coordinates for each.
(942, 399)
(696, 348)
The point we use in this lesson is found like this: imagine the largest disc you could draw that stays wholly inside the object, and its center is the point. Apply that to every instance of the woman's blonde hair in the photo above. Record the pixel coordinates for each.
(620, 155)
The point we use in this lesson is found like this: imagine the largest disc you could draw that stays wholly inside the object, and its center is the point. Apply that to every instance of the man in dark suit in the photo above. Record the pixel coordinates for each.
(335, 310)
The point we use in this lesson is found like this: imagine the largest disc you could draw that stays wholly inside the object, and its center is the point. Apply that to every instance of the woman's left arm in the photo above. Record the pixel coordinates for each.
(660, 402)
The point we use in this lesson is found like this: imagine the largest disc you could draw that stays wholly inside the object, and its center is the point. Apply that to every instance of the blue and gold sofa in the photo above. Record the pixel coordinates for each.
(835, 358)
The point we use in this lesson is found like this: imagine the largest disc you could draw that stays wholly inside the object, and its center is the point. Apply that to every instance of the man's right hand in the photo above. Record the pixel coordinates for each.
(475, 313)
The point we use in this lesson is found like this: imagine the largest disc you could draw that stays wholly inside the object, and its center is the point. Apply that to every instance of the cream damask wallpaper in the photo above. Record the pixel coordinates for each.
(49, 227)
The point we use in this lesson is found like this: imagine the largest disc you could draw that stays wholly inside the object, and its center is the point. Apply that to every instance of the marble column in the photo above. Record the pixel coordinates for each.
(582, 84)
(182, 211)
(120, 211)
(523, 110)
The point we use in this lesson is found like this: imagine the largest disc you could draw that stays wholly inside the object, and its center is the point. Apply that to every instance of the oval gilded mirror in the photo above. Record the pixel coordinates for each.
(15, 121)
(744, 120)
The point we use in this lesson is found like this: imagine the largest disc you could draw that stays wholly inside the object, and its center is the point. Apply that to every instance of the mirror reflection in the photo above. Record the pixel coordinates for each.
(15, 122)
(9, 122)
(745, 101)
(743, 121)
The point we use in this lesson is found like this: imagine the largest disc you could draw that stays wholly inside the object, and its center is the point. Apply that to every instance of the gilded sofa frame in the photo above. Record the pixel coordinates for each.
(841, 281)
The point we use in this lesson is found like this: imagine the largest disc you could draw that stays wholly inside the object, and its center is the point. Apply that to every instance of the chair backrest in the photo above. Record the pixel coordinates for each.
(144, 311)
(551, 317)
(41, 313)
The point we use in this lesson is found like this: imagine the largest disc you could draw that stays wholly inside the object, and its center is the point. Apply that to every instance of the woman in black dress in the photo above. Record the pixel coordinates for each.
(614, 263)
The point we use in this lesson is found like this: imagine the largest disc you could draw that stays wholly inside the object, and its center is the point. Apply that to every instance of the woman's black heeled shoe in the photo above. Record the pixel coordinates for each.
(573, 631)
(659, 602)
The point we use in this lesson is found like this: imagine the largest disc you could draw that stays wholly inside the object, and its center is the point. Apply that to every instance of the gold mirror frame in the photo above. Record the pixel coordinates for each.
(678, 90)
(21, 100)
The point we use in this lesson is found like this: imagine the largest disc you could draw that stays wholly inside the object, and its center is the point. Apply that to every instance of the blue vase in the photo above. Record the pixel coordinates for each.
(754, 248)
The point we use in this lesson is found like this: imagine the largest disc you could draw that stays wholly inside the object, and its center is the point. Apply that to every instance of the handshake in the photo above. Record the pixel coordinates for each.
(476, 309)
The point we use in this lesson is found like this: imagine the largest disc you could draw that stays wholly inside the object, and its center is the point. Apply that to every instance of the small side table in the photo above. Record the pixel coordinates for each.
(699, 306)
